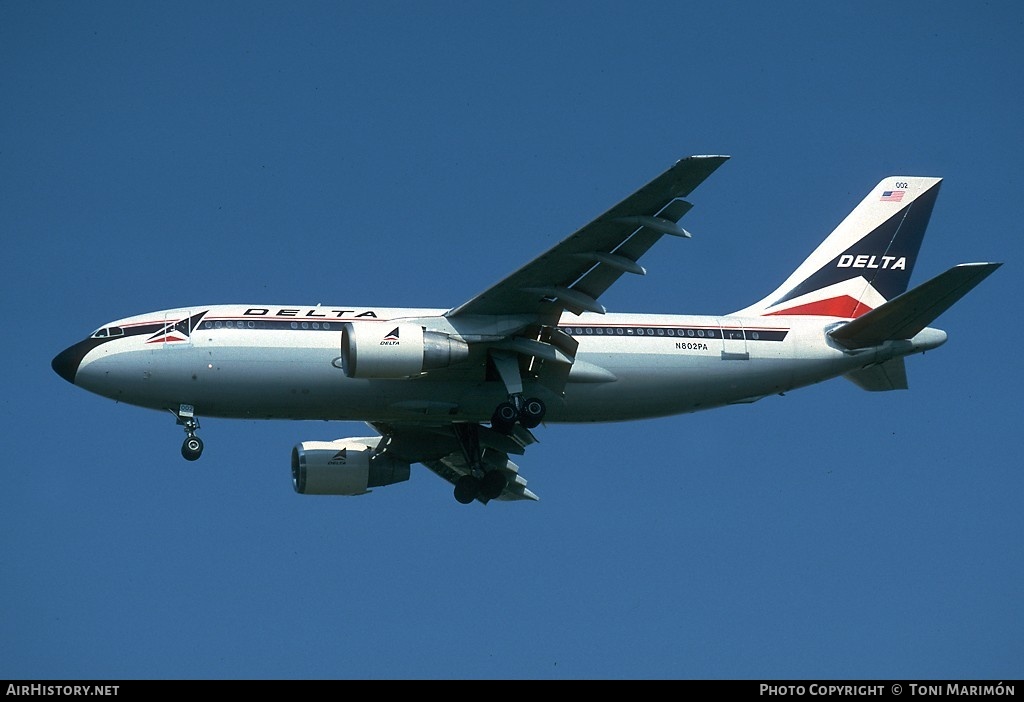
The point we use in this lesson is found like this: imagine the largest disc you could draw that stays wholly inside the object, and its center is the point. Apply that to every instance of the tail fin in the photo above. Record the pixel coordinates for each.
(866, 260)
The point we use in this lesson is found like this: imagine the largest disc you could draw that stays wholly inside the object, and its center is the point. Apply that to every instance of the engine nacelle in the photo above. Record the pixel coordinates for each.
(371, 350)
(343, 467)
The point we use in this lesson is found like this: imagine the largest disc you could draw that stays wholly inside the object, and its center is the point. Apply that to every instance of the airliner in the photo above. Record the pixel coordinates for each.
(461, 390)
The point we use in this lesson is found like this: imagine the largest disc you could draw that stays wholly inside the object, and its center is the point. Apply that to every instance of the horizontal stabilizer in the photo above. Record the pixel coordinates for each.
(906, 315)
(891, 375)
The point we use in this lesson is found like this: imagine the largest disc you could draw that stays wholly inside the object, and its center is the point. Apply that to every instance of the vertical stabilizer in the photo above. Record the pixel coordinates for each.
(866, 260)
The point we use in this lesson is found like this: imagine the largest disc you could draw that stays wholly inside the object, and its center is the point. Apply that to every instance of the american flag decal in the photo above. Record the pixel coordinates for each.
(892, 195)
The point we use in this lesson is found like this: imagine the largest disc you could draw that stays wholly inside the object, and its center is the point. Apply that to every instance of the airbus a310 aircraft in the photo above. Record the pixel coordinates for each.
(459, 390)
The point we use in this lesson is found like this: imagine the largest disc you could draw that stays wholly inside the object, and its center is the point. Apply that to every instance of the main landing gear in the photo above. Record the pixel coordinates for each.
(528, 412)
(479, 483)
(192, 448)
(485, 482)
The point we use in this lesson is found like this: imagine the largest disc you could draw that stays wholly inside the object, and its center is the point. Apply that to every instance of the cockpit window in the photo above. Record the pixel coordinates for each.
(107, 332)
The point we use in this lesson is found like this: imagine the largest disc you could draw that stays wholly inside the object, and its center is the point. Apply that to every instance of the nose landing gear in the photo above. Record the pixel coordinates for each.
(192, 448)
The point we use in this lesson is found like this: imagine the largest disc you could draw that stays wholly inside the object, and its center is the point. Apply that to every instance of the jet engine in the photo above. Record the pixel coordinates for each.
(370, 350)
(343, 467)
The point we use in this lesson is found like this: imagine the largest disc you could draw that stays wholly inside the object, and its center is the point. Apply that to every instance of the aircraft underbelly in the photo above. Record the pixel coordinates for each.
(664, 389)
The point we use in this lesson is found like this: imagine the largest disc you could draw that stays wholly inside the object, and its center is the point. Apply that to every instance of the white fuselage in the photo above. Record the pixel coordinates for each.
(274, 362)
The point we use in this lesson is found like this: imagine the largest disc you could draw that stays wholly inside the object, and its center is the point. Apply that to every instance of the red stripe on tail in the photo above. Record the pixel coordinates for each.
(842, 306)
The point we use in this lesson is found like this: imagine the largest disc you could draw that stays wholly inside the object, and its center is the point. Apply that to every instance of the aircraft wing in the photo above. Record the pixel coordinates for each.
(575, 272)
(440, 448)
(570, 276)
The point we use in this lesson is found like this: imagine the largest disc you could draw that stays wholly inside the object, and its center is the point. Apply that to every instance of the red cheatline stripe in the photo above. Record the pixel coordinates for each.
(843, 306)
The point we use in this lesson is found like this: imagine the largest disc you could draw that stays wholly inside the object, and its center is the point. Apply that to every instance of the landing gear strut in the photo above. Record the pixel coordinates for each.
(467, 488)
(529, 412)
(192, 448)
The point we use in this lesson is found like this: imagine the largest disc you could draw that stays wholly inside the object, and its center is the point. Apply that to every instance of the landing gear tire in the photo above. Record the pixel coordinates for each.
(466, 489)
(493, 484)
(504, 418)
(192, 449)
(533, 412)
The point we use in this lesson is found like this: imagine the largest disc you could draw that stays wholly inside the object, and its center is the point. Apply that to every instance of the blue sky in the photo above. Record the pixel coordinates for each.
(399, 153)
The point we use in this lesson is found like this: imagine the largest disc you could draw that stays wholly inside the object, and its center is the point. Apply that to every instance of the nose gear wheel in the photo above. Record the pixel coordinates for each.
(192, 447)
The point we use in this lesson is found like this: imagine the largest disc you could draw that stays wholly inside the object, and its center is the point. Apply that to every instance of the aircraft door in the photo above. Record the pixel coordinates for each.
(734, 342)
(177, 332)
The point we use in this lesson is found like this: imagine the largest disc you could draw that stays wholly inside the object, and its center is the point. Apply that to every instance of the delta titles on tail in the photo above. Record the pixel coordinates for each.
(462, 389)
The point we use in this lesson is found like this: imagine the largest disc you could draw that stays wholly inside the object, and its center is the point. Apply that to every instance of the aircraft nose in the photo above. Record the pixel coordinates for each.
(65, 364)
